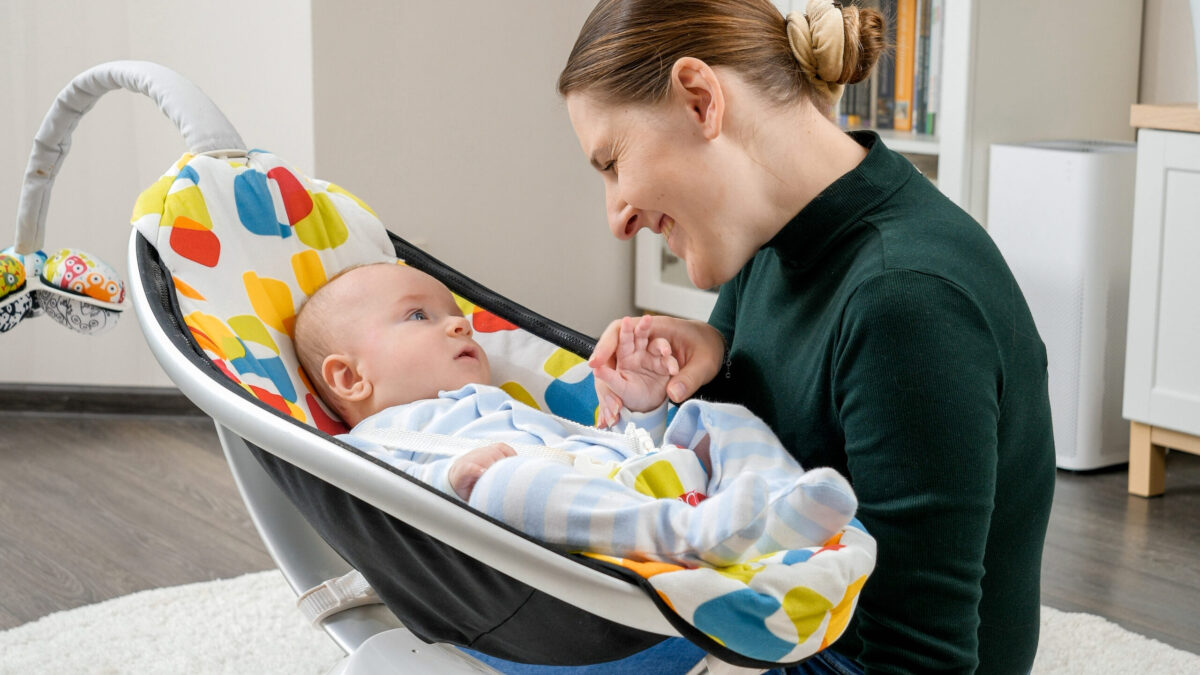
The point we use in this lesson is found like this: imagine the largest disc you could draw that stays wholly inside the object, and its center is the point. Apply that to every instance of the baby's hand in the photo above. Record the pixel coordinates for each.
(642, 369)
(465, 471)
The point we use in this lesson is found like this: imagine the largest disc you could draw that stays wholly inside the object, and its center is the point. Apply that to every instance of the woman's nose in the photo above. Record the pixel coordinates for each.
(624, 221)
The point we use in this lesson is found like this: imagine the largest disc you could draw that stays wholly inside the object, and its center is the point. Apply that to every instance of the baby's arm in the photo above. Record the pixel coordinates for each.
(464, 473)
(638, 379)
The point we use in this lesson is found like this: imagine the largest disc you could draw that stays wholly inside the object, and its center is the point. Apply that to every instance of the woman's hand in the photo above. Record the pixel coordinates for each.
(643, 368)
(696, 346)
(464, 473)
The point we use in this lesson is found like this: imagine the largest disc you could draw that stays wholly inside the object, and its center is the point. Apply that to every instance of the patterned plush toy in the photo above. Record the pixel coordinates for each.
(74, 288)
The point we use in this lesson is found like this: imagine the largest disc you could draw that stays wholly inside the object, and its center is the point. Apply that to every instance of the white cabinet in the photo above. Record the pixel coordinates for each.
(1010, 73)
(1162, 362)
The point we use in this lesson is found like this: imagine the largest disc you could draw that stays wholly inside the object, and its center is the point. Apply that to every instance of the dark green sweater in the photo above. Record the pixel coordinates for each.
(881, 333)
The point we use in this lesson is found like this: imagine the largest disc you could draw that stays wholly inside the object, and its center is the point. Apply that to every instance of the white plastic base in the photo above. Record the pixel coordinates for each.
(399, 651)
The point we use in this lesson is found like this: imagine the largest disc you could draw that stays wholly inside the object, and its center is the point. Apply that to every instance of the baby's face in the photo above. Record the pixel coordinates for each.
(409, 336)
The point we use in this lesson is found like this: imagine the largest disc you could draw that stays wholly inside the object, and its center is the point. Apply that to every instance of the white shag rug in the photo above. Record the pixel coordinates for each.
(250, 625)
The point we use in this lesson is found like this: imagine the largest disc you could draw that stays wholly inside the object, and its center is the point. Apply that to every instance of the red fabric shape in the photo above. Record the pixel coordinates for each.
(692, 497)
(225, 369)
(833, 547)
(200, 246)
(274, 400)
(486, 322)
(296, 200)
(324, 422)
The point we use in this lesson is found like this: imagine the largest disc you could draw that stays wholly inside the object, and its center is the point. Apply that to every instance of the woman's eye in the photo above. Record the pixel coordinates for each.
(611, 166)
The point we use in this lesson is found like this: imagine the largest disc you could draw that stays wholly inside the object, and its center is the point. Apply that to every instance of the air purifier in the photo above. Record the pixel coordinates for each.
(1061, 212)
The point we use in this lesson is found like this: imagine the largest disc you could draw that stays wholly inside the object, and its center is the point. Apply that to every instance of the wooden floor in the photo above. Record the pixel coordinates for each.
(94, 507)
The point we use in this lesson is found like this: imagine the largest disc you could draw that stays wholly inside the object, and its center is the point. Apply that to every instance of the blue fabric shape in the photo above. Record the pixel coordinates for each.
(737, 620)
(188, 173)
(256, 207)
(796, 557)
(575, 401)
(272, 369)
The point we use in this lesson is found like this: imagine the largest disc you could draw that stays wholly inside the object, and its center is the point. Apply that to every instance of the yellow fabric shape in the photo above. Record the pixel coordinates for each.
(250, 329)
(323, 228)
(188, 202)
(520, 393)
(216, 335)
(560, 362)
(659, 480)
(339, 190)
(807, 609)
(839, 616)
(310, 273)
(151, 199)
(272, 301)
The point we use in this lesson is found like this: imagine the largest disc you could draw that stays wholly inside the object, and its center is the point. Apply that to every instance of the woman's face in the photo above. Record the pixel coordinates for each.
(658, 172)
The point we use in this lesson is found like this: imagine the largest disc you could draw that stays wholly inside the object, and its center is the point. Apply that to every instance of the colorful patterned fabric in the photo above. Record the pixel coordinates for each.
(248, 241)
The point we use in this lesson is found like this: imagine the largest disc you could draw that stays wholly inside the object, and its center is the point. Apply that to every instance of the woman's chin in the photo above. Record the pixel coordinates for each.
(700, 277)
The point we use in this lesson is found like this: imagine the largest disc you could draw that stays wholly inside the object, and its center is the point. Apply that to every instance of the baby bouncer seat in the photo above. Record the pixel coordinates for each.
(225, 248)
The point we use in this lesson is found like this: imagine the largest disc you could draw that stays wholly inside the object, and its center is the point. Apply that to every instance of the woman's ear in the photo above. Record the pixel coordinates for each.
(343, 378)
(695, 85)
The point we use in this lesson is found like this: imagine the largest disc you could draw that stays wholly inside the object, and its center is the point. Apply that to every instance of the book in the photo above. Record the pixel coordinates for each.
(885, 70)
(921, 68)
(906, 47)
(935, 65)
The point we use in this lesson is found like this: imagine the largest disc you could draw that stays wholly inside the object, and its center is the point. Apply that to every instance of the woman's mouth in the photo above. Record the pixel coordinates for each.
(666, 224)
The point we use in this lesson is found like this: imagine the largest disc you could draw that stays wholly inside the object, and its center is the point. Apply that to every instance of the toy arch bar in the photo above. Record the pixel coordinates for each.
(204, 127)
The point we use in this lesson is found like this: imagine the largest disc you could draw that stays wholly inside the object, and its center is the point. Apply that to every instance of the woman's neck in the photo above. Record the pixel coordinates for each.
(799, 153)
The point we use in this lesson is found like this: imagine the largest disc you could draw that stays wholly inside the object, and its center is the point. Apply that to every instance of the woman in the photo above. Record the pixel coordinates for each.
(866, 318)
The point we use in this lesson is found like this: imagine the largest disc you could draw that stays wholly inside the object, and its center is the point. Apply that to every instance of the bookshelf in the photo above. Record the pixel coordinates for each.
(1011, 71)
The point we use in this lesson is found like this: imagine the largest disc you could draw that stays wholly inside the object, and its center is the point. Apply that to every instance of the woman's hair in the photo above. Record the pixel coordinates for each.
(626, 49)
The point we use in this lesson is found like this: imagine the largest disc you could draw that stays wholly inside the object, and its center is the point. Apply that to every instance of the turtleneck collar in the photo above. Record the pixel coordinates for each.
(802, 240)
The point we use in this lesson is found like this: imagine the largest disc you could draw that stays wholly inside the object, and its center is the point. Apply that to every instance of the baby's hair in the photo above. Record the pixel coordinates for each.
(626, 49)
(313, 340)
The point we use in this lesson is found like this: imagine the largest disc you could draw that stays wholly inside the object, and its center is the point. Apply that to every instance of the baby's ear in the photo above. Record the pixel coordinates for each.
(343, 378)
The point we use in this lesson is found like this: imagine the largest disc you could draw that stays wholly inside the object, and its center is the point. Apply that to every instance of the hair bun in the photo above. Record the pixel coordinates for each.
(835, 45)
(818, 40)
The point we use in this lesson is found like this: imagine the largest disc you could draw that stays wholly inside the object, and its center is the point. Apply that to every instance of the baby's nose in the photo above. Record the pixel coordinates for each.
(459, 325)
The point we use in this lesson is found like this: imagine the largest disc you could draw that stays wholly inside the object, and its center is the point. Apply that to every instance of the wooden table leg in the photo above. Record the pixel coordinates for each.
(1147, 462)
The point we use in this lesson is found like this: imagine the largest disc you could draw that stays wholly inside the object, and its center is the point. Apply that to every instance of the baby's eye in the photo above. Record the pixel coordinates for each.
(418, 315)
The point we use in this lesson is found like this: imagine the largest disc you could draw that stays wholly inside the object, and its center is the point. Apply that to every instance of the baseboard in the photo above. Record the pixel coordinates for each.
(99, 400)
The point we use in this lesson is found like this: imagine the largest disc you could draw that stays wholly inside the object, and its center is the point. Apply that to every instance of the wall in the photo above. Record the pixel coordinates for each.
(443, 116)
(444, 119)
(1168, 53)
(254, 59)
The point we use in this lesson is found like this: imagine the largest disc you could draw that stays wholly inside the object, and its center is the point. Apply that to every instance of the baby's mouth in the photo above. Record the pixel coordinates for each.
(469, 353)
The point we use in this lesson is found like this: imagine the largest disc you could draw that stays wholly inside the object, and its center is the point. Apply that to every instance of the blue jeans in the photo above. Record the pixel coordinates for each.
(827, 662)
(674, 656)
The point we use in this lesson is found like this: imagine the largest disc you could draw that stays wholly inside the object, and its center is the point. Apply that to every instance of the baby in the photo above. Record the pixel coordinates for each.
(388, 348)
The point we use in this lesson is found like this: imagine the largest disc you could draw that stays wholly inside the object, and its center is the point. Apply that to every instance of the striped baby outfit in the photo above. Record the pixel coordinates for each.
(641, 493)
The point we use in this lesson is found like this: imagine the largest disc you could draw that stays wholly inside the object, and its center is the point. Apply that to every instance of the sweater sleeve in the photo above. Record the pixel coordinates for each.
(917, 383)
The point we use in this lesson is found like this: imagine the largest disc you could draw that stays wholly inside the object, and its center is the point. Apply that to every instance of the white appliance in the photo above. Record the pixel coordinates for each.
(1061, 212)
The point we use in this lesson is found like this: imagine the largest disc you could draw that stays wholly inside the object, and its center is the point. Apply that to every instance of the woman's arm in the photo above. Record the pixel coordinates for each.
(917, 381)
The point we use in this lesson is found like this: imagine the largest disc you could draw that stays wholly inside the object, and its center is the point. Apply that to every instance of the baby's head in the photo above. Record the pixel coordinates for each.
(385, 334)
